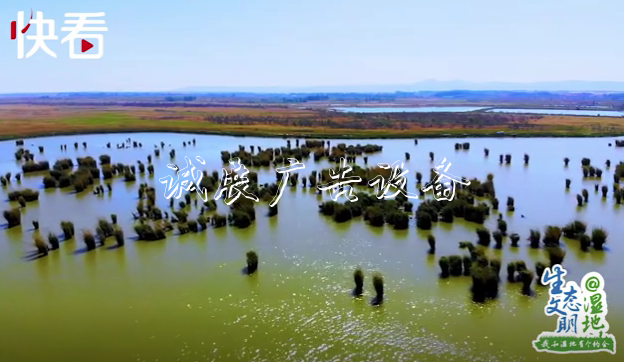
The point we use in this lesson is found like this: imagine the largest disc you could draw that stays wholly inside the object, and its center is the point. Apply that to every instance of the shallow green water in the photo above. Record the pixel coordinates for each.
(184, 299)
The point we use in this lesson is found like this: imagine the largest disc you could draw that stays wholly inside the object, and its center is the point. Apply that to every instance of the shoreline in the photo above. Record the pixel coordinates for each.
(321, 136)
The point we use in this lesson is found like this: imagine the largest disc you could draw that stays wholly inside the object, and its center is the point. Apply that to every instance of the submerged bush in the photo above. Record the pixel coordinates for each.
(13, 217)
(574, 229)
(444, 267)
(598, 238)
(515, 238)
(539, 271)
(484, 236)
(41, 246)
(119, 236)
(455, 264)
(252, 262)
(484, 282)
(552, 235)
(358, 278)
(28, 195)
(432, 244)
(526, 276)
(555, 255)
(498, 239)
(88, 239)
(585, 242)
(68, 229)
(148, 232)
(534, 239)
(53, 241)
(378, 284)
(467, 263)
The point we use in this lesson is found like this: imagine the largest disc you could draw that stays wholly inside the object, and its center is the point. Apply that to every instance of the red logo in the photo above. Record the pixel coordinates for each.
(14, 27)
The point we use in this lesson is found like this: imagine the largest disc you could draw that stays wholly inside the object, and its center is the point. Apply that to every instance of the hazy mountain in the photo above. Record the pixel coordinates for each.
(428, 85)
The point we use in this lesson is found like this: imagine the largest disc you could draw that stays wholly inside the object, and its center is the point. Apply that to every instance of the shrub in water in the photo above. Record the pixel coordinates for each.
(378, 284)
(358, 278)
(252, 262)
(13, 217)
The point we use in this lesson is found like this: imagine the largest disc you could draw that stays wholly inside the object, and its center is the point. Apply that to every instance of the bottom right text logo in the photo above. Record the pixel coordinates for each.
(582, 326)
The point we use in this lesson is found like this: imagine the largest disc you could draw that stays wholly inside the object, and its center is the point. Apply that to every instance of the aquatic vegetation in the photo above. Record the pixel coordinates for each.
(585, 241)
(432, 244)
(604, 190)
(526, 276)
(539, 271)
(444, 267)
(585, 161)
(42, 247)
(88, 239)
(218, 220)
(510, 204)
(567, 183)
(53, 241)
(585, 195)
(511, 272)
(148, 232)
(579, 200)
(484, 236)
(494, 202)
(104, 229)
(552, 235)
(202, 221)
(514, 238)
(502, 226)
(68, 229)
(378, 285)
(534, 239)
(119, 236)
(574, 229)
(13, 217)
(566, 161)
(35, 224)
(598, 238)
(467, 263)
(455, 265)
(32, 166)
(358, 278)
(526, 159)
(252, 262)
(555, 255)
(27, 194)
(498, 239)
(484, 282)
(486, 152)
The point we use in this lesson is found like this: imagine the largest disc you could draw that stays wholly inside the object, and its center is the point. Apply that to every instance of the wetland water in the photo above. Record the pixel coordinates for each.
(184, 298)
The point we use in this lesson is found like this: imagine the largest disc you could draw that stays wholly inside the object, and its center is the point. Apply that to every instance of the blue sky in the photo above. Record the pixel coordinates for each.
(165, 45)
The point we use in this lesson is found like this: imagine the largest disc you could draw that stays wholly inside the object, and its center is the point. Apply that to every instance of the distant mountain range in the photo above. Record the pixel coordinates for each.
(427, 85)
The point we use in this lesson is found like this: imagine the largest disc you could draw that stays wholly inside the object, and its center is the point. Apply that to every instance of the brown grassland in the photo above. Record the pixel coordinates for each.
(18, 121)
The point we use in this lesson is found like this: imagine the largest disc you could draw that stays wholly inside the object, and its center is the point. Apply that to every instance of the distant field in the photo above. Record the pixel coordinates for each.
(39, 120)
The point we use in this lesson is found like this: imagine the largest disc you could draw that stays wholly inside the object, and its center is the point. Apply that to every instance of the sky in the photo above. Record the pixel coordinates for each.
(164, 45)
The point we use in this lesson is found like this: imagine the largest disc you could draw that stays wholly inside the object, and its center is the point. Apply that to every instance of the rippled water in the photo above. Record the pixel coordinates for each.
(184, 299)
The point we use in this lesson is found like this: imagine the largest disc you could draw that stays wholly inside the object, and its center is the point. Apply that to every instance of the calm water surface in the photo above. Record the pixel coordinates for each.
(184, 299)
(406, 109)
(574, 112)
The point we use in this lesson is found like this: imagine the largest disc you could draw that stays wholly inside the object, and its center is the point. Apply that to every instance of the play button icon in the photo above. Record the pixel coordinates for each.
(85, 45)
